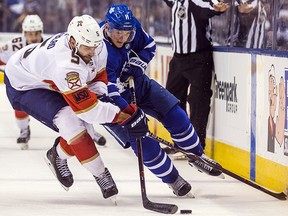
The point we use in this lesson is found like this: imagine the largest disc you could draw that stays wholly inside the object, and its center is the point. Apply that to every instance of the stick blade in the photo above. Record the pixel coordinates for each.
(160, 207)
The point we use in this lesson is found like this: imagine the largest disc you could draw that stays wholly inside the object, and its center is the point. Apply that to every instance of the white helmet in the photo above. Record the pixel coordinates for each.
(86, 31)
(32, 23)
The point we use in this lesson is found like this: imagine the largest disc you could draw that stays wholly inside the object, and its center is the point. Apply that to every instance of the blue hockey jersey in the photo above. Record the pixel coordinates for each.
(144, 46)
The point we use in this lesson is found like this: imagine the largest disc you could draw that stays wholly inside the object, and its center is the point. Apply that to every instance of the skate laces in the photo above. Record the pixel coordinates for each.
(209, 160)
(105, 180)
(62, 167)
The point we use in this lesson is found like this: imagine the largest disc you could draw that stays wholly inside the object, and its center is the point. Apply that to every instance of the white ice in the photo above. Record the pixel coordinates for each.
(28, 187)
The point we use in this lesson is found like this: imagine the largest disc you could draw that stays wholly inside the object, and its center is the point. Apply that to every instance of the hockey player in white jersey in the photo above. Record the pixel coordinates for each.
(32, 28)
(59, 82)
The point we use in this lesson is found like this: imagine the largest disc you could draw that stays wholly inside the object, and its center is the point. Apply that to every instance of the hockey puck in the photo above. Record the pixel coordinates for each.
(185, 211)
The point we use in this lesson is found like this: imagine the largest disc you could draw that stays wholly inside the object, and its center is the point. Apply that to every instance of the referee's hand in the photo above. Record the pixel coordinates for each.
(221, 6)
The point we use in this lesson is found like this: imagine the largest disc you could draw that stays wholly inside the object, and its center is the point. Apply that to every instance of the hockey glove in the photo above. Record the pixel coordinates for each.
(134, 67)
(137, 123)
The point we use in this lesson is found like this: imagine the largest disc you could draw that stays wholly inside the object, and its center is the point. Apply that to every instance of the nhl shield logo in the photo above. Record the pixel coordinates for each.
(181, 12)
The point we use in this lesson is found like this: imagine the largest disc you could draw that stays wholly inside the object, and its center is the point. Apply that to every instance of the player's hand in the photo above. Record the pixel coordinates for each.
(130, 70)
(136, 123)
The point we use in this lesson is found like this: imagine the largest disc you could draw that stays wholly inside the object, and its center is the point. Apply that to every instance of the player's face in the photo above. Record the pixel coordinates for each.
(33, 37)
(119, 38)
(86, 53)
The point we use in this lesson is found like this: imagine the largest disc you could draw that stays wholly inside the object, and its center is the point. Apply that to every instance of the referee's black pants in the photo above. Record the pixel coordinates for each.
(194, 70)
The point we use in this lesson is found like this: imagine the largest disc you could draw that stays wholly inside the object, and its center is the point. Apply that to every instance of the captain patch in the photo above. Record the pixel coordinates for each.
(73, 80)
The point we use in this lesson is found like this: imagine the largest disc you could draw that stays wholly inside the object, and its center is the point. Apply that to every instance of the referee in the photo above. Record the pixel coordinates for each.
(192, 62)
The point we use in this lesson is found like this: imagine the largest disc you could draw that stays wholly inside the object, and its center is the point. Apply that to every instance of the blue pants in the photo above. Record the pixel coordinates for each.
(156, 102)
(42, 104)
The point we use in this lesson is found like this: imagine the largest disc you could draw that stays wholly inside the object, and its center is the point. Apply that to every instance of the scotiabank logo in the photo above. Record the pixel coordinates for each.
(227, 91)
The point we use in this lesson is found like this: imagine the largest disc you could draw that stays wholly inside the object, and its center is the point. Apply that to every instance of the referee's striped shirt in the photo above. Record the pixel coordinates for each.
(191, 24)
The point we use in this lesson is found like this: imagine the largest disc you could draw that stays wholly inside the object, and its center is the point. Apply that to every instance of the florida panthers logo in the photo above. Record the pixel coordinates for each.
(73, 80)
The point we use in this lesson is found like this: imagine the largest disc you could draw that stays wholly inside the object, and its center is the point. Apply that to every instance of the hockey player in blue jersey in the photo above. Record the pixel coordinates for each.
(130, 49)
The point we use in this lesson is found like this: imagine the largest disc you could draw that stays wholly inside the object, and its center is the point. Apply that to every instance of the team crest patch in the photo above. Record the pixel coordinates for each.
(73, 80)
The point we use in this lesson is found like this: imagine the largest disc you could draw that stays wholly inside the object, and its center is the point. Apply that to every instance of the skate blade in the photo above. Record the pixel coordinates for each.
(190, 195)
(24, 146)
(179, 156)
(221, 176)
(54, 172)
(113, 200)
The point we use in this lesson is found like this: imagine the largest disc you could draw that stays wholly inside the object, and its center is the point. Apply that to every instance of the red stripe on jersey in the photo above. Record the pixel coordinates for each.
(81, 100)
(52, 85)
(101, 76)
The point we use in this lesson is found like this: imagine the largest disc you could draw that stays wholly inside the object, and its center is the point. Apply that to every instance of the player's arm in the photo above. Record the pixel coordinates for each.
(114, 85)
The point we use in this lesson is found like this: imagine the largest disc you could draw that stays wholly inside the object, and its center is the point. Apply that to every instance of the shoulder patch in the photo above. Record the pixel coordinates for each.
(73, 80)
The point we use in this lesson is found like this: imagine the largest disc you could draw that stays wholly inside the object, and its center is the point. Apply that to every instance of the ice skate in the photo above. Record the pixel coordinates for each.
(107, 184)
(180, 187)
(174, 154)
(59, 167)
(23, 139)
(99, 139)
(207, 165)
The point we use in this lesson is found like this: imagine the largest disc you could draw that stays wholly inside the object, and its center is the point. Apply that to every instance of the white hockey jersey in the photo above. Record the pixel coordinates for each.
(7, 50)
(53, 65)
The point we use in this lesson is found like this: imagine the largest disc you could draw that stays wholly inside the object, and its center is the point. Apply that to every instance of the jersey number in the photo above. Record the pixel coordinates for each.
(18, 44)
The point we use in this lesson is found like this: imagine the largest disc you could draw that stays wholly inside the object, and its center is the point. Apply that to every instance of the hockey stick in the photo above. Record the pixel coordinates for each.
(153, 206)
(277, 195)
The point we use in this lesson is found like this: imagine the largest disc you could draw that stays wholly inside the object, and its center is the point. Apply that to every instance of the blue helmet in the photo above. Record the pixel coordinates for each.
(120, 17)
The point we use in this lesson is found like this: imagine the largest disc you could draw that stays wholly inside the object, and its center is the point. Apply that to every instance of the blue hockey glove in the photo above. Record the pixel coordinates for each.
(134, 67)
(137, 123)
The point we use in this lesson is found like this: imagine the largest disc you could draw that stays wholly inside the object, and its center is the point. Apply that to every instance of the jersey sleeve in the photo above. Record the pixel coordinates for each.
(71, 82)
(143, 44)
(114, 85)
(204, 9)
